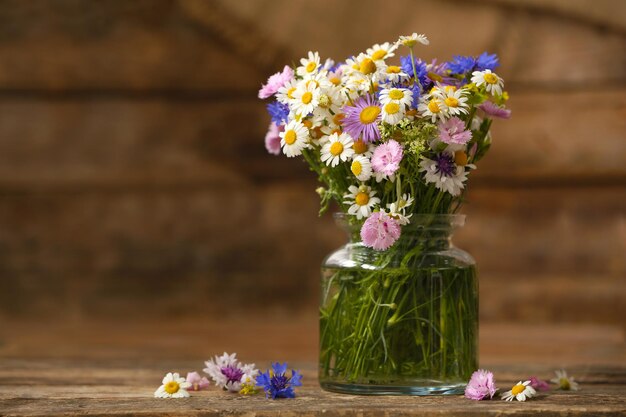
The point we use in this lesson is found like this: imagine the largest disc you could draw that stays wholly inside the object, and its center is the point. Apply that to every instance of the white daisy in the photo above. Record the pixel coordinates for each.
(361, 199)
(285, 93)
(363, 148)
(493, 83)
(432, 107)
(444, 173)
(454, 100)
(306, 98)
(361, 167)
(392, 113)
(397, 209)
(229, 373)
(173, 386)
(294, 138)
(381, 52)
(397, 95)
(395, 74)
(413, 39)
(520, 392)
(309, 65)
(337, 148)
(564, 382)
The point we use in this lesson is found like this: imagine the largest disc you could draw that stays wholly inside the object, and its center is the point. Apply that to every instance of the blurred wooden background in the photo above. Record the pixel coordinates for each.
(134, 182)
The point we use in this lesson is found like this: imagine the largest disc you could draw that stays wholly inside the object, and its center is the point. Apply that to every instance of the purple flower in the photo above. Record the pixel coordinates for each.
(275, 82)
(421, 71)
(452, 131)
(197, 382)
(277, 384)
(272, 138)
(386, 158)
(481, 385)
(493, 110)
(380, 231)
(461, 64)
(361, 119)
(539, 384)
(487, 61)
(279, 112)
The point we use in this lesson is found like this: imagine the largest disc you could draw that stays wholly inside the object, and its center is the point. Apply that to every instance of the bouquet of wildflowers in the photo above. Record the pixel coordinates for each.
(387, 140)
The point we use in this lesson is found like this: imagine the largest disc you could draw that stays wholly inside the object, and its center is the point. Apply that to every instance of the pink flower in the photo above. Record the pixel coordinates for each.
(380, 231)
(272, 139)
(275, 82)
(453, 132)
(481, 385)
(492, 109)
(197, 382)
(386, 158)
(539, 384)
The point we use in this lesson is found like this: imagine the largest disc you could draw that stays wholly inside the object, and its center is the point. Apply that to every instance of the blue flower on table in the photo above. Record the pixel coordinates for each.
(277, 384)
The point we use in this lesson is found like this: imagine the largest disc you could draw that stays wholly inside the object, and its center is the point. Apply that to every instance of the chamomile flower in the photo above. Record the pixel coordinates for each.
(306, 98)
(229, 373)
(294, 138)
(309, 65)
(564, 382)
(493, 84)
(444, 173)
(393, 113)
(402, 96)
(361, 200)
(363, 148)
(454, 100)
(411, 40)
(173, 386)
(431, 106)
(381, 52)
(520, 392)
(337, 148)
(285, 93)
(361, 167)
(398, 208)
(395, 74)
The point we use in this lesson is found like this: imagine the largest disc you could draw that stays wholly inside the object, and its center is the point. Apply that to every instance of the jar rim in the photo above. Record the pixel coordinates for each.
(418, 220)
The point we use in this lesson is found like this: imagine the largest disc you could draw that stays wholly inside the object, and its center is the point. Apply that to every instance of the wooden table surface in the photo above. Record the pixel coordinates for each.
(107, 368)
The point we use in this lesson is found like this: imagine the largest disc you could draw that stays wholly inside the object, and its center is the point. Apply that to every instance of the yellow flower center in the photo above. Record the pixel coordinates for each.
(325, 100)
(335, 80)
(396, 94)
(451, 102)
(310, 67)
(369, 114)
(362, 198)
(449, 89)
(460, 158)
(393, 69)
(392, 108)
(338, 118)
(290, 92)
(290, 137)
(356, 168)
(564, 383)
(518, 389)
(433, 90)
(380, 54)
(411, 112)
(336, 148)
(307, 123)
(433, 106)
(491, 78)
(172, 387)
(359, 146)
(367, 66)
(409, 42)
(307, 97)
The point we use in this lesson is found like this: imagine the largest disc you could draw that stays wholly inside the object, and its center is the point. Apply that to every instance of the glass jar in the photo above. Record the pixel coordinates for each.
(402, 321)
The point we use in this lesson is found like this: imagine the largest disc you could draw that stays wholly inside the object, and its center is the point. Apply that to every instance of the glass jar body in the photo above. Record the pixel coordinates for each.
(400, 321)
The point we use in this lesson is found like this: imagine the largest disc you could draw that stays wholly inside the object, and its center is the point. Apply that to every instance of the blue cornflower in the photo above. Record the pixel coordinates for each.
(487, 61)
(279, 112)
(278, 385)
(420, 69)
(461, 64)
(416, 90)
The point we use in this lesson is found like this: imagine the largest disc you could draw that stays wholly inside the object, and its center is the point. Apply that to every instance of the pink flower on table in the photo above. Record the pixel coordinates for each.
(275, 82)
(272, 138)
(481, 385)
(539, 384)
(453, 131)
(386, 158)
(197, 382)
(380, 231)
(492, 109)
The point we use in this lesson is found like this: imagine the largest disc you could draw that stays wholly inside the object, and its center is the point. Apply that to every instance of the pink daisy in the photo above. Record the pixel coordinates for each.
(386, 158)
(272, 139)
(481, 385)
(380, 231)
(361, 119)
(492, 109)
(275, 82)
(452, 131)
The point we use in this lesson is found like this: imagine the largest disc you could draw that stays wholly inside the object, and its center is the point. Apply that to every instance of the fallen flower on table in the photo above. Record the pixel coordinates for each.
(173, 386)
(229, 373)
(539, 384)
(481, 385)
(197, 382)
(520, 392)
(564, 382)
(277, 384)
